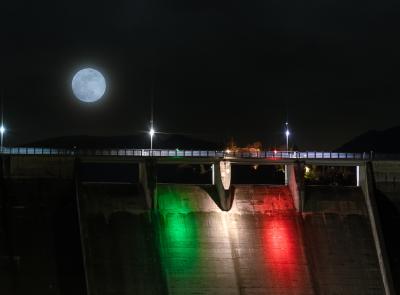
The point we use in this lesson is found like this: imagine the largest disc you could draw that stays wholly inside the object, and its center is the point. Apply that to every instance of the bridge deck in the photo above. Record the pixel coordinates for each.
(194, 156)
(160, 153)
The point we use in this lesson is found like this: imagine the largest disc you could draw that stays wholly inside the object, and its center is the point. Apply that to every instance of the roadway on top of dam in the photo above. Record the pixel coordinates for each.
(176, 156)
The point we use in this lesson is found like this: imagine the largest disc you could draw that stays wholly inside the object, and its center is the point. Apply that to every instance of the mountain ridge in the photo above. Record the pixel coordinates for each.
(384, 141)
(135, 141)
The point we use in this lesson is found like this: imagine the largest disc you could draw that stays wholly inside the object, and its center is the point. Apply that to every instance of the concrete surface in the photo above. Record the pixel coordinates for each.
(121, 245)
(388, 200)
(187, 245)
(39, 239)
(261, 246)
(340, 242)
(386, 171)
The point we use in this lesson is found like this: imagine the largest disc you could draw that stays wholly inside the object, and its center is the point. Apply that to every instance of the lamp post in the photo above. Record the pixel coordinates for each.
(2, 131)
(287, 133)
(151, 132)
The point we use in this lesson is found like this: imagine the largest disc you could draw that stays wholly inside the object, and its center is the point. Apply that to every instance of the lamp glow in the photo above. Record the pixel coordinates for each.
(287, 133)
(2, 131)
(151, 132)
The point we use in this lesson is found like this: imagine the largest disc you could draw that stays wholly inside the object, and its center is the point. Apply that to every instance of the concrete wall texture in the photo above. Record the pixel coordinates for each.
(39, 239)
(387, 171)
(261, 246)
(187, 244)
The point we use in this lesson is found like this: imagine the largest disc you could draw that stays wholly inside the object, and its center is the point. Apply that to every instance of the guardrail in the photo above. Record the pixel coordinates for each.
(187, 153)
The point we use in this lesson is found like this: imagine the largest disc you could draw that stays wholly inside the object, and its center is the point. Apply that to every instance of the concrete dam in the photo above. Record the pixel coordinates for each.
(63, 236)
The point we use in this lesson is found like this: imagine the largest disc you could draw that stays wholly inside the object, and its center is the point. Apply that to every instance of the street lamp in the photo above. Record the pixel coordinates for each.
(2, 131)
(287, 133)
(151, 132)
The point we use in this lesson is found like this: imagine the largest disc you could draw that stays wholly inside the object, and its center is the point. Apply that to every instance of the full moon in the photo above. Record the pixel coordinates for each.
(88, 85)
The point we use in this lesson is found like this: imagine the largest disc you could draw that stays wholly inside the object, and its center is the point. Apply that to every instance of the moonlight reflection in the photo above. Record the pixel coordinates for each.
(88, 85)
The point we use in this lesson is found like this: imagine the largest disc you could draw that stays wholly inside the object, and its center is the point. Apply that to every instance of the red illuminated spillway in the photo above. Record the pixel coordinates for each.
(282, 247)
(281, 253)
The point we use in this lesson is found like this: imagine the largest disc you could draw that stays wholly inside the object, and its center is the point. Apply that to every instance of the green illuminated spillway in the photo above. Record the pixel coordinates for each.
(178, 230)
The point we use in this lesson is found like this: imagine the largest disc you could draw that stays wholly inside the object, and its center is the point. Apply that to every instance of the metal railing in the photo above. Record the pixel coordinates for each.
(190, 153)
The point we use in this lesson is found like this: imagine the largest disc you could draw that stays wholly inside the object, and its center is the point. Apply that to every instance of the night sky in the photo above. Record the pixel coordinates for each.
(217, 68)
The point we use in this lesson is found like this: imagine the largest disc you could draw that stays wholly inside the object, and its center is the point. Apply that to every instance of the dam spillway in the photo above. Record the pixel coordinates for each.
(261, 246)
(61, 235)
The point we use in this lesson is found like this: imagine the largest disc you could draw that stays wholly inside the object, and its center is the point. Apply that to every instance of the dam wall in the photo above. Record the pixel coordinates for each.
(261, 246)
(190, 246)
(340, 241)
(40, 249)
(387, 183)
(61, 236)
